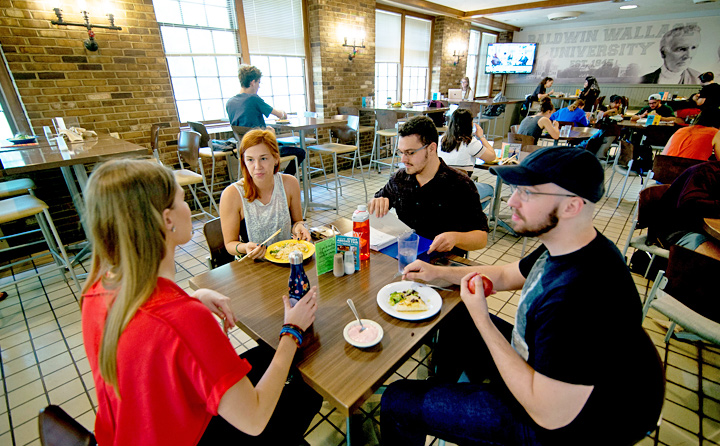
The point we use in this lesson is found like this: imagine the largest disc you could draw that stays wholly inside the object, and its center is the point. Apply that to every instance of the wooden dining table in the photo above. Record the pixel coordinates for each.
(712, 227)
(344, 375)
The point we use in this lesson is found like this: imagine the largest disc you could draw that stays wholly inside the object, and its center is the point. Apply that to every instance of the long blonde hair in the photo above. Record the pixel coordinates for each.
(252, 139)
(124, 202)
(579, 103)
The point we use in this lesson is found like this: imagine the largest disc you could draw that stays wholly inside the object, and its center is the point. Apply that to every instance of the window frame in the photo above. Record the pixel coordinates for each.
(479, 63)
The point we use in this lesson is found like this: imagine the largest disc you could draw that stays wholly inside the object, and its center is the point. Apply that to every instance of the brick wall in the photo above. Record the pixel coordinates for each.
(448, 34)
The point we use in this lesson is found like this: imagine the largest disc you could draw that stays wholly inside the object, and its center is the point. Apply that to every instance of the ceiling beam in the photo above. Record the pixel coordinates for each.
(483, 21)
(434, 7)
(530, 6)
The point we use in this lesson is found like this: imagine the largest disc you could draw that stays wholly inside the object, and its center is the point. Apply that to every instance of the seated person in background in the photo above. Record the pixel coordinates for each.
(262, 202)
(458, 148)
(164, 371)
(247, 110)
(590, 93)
(693, 196)
(467, 93)
(615, 106)
(655, 107)
(552, 378)
(540, 92)
(534, 125)
(696, 141)
(572, 113)
(440, 203)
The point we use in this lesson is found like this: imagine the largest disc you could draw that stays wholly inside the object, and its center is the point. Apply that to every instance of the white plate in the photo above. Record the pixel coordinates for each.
(431, 298)
(366, 323)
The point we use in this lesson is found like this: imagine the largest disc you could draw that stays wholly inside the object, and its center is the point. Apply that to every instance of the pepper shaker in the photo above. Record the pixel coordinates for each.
(338, 267)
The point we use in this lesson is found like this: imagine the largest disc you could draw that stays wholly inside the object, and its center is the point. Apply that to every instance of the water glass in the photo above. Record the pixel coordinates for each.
(407, 249)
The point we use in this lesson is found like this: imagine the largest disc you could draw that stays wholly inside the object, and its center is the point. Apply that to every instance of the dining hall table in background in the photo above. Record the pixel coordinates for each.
(712, 227)
(344, 375)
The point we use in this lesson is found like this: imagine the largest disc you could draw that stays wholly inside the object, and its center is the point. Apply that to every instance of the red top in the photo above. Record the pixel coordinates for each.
(174, 366)
(693, 142)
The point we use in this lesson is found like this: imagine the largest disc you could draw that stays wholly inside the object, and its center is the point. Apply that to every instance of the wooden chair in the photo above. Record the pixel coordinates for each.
(687, 295)
(216, 243)
(386, 123)
(57, 428)
(341, 151)
(517, 138)
(189, 154)
(206, 152)
(562, 124)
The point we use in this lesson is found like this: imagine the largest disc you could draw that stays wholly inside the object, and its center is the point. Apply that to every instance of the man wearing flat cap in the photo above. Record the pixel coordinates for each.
(575, 368)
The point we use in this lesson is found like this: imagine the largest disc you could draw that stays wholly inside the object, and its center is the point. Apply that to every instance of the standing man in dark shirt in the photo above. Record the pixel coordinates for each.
(575, 362)
(247, 110)
(440, 203)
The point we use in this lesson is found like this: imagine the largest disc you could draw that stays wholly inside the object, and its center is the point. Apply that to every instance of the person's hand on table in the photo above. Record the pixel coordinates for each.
(421, 270)
(379, 206)
(476, 303)
(300, 232)
(303, 313)
(218, 304)
(443, 242)
(255, 251)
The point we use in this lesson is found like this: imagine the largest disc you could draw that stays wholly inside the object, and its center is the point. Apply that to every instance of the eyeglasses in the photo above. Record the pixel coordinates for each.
(652, 102)
(524, 195)
(410, 153)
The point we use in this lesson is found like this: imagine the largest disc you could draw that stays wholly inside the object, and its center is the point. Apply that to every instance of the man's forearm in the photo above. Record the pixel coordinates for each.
(471, 240)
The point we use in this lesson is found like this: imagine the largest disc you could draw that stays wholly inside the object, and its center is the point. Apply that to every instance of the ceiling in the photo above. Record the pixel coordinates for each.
(593, 11)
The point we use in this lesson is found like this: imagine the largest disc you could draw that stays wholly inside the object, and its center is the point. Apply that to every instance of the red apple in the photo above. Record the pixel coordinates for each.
(487, 284)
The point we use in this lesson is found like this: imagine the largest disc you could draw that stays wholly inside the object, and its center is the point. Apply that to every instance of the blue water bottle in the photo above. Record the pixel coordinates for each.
(298, 283)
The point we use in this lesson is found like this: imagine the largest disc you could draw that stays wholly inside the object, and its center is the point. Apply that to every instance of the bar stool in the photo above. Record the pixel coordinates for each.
(23, 206)
(206, 152)
(385, 127)
(189, 153)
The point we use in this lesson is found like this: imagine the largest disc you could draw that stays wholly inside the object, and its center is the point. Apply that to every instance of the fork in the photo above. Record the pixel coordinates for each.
(434, 286)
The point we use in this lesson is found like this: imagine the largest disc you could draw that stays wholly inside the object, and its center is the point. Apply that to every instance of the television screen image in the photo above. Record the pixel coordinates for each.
(510, 58)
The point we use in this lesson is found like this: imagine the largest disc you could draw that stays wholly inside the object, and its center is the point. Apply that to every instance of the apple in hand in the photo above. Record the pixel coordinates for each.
(487, 284)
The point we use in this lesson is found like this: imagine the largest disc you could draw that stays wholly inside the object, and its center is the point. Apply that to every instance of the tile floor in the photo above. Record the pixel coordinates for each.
(43, 359)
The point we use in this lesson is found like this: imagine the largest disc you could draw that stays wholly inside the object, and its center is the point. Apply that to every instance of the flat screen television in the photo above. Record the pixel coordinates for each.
(505, 58)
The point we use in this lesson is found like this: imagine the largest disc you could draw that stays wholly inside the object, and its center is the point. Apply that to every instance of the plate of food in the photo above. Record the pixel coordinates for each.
(282, 121)
(23, 139)
(410, 301)
(280, 251)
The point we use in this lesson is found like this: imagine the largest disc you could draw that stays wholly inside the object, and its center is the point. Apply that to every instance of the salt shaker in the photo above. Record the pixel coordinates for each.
(349, 262)
(338, 266)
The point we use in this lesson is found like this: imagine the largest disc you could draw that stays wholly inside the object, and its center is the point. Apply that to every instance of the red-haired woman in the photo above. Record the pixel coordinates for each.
(264, 201)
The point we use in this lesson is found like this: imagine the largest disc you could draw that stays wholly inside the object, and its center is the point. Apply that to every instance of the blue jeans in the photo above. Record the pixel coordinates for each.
(291, 150)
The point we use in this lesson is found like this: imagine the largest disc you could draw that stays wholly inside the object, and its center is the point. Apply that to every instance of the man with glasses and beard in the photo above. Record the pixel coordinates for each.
(440, 203)
(576, 360)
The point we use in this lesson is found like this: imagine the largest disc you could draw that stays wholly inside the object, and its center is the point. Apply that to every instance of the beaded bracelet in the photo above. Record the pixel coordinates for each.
(295, 332)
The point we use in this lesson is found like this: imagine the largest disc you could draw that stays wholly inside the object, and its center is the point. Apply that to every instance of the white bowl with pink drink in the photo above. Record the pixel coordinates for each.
(370, 336)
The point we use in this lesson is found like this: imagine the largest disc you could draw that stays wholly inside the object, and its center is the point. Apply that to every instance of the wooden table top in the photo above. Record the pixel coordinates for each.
(417, 109)
(712, 226)
(292, 123)
(343, 374)
(45, 156)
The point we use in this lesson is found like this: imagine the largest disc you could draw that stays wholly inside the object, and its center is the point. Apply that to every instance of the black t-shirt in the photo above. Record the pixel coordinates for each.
(578, 321)
(247, 110)
(664, 110)
(448, 202)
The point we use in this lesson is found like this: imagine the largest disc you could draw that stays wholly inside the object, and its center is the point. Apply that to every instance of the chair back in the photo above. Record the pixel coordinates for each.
(626, 153)
(349, 111)
(386, 119)
(667, 168)
(154, 136)
(214, 238)
(605, 146)
(515, 128)
(310, 114)
(346, 134)
(517, 138)
(189, 148)
(200, 128)
(57, 428)
(648, 205)
(564, 123)
(598, 102)
(239, 132)
(474, 107)
(691, 280)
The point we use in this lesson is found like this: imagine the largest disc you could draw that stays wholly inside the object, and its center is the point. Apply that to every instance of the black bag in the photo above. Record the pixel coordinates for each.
(642, 159)
(494, 110)
(640, 260)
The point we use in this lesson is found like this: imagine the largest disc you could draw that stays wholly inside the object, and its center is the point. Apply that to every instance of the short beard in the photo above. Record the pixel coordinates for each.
(550, 223)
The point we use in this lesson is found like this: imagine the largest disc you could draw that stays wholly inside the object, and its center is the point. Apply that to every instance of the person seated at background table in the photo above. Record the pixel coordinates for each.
(559, 376)
(164, 371)
(692, 197)
(457, 146)
(615, 106)
(655, 107)
(247, 110)
(696, 141)
(467, 93)
(536, 124)
(540, 92)
(262, 202)
(590, 93)
(440, 203)
(572, 113)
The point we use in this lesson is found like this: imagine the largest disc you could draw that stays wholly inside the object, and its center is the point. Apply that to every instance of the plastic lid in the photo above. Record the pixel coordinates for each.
(362, 207)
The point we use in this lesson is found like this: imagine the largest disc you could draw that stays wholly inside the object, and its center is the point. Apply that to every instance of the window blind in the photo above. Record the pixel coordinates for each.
(274, 27)
(417, 42)
(387, 37)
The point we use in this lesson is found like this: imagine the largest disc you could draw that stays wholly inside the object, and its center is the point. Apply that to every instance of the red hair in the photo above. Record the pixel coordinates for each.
(251, 139)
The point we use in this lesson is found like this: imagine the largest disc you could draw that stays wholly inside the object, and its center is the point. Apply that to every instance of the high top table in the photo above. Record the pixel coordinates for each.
(344, 375)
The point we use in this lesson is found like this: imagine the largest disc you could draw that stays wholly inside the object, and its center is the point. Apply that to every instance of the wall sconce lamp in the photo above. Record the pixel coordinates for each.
(457, 55)
(354, 47)
(90, 43)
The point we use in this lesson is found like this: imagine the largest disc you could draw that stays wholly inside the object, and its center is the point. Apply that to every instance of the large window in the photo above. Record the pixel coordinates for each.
(277, 47)
(200, 41)
(482, 87)
(387, 56)
(416, 59)
(472, 58)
